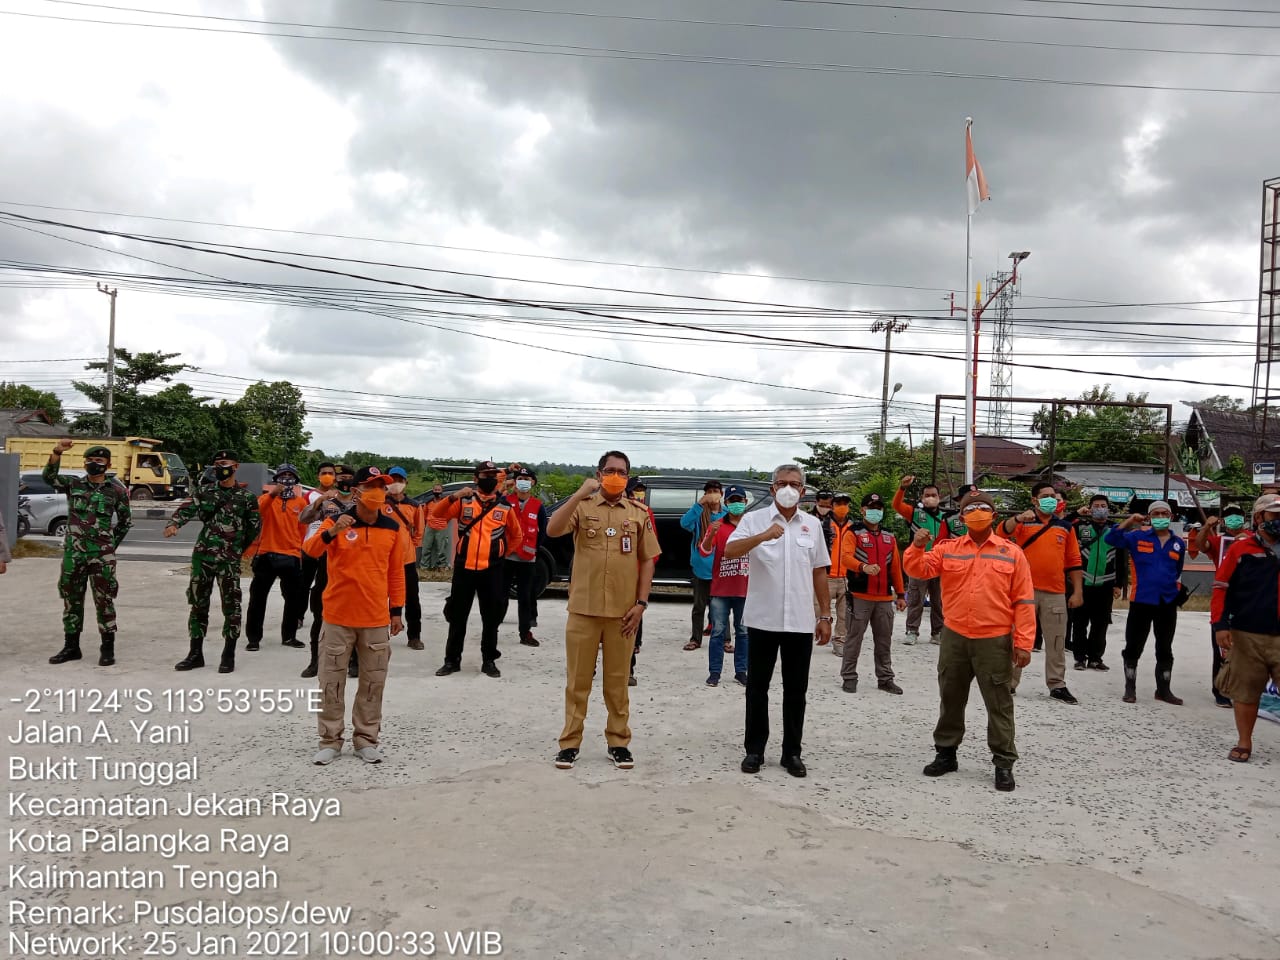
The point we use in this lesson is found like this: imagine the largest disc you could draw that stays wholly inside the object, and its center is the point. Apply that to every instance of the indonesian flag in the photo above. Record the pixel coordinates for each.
(975, 181)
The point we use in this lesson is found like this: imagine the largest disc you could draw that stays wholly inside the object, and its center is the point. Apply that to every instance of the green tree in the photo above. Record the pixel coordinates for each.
(132, 408)
(1236, 477)
(274, 418)
(1223, 403)
(829, 465)
(19, 396)
(1090, 433)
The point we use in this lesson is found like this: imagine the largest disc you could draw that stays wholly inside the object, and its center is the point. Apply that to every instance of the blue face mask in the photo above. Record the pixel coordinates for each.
(1099, 513)
(1233, 522)
(1048, 504)
(874, 516)
(1161, 523)
(736, 509)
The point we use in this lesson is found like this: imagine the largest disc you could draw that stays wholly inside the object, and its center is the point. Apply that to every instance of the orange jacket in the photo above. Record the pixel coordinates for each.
(881, 548)
(841, 533)
(409, 516)
(366, 575)
(1055, 553)
(281, 532)
(497, 533)
(986, 590)
(434, 522)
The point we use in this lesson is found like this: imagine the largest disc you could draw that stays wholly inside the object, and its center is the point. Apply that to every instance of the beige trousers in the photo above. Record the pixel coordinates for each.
(373, 646)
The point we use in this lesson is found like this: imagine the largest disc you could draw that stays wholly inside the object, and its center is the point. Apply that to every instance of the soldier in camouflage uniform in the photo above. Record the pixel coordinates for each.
(89, 552)
(229, 513)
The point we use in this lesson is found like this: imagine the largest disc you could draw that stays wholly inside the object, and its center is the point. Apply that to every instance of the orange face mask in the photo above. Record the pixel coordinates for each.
(327, 480)
(841, 511)
(374, 498)
(613, 485)
(979, 520)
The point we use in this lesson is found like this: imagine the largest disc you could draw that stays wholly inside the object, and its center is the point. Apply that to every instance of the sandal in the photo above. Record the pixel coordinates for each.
(693, 645)
(1240, 754)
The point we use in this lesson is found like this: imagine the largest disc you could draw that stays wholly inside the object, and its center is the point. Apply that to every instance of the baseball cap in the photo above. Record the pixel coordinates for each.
(873, 500)
(225, 455)
(1233, 508)
(526, 473)
(842, 497)
(977, 496)
(824, 495)
(371, 475)
(484, 465)
(398, 472)
(735, 491)
(1266, 503)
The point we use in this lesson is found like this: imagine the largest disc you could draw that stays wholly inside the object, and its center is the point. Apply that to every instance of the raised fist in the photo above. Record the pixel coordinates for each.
(62, 446)
(921, 539)
(906, 481)
(589, 487)
(343, 522)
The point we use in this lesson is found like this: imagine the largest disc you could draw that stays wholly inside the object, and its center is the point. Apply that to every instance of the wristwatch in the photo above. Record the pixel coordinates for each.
(642, 603)
(825, 620)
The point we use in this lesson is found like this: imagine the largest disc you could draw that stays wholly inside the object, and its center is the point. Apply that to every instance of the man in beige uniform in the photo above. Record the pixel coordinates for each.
(615, 547)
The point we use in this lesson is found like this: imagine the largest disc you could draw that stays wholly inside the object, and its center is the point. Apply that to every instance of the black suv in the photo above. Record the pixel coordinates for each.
(669, 497)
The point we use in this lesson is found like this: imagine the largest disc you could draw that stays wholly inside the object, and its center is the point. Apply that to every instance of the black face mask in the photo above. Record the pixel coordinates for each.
(487, 484)
(94, 469)
(344, 485)
(224, 473)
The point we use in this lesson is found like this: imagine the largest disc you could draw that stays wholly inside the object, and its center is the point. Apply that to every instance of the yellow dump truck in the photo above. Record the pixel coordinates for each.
(149, 472)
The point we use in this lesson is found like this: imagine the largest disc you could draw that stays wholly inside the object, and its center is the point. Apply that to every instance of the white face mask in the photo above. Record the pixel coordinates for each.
(524, 486)
(786, 497)
(397, 487)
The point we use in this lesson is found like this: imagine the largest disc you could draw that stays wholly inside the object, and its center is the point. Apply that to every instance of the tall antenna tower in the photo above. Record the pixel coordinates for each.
(1000, 409)
(1265, 384)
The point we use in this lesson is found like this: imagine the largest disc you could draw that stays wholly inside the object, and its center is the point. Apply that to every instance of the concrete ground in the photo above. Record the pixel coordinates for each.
(1130, 834)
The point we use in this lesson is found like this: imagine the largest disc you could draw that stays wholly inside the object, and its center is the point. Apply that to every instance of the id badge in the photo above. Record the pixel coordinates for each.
(626, 543)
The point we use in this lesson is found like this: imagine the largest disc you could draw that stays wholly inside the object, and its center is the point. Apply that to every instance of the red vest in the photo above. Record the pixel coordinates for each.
(877, 548)
(528, 520)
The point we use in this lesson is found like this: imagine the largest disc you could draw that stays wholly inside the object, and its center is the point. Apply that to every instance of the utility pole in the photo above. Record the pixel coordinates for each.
(111, 356)
(890, 326)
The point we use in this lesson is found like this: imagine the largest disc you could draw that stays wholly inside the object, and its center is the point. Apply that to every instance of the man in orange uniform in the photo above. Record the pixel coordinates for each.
(277, 553)
(364, 552)
(988, 632)
(435, 538)
(488, 529)
(875, 586)
(407, 513)
(839, 531)
(1053, 551)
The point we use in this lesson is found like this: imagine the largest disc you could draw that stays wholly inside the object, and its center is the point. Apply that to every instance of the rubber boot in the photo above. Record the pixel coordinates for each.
(228, 662)
(1130, 682)
(70, 649)
(1164, 675)
(107, 652)
(194, 658)
(312, 668)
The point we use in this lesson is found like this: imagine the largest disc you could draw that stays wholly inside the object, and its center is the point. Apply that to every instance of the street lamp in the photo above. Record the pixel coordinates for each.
(884, 414)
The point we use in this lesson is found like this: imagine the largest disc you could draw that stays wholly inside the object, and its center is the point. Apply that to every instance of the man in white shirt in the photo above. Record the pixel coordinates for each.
(789, 561)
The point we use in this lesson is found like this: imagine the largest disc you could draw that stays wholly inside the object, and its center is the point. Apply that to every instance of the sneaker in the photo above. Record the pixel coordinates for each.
(622, 758)
(936, 639)
(1098, 665)
(447, 669)
(490, 669)
(292, 642)
(325, 757)
(565, 759)
(837, 647)
(251, 646)
(369, 754)
(1063, 694)
(911, 638)
(889, 687)
(741, 678)
(415, 643)
(849, 686)
(1081, 665)
(713, 680)
(527, 639)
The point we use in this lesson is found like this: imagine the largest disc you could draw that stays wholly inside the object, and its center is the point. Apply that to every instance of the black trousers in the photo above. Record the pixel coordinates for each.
(1143, 619)
(701, 601)
(310, 569)
(490, 588)
(317, 599)
(267, 568)
(763, 650)
(412, 602)
(521, 575)
(1089, 621)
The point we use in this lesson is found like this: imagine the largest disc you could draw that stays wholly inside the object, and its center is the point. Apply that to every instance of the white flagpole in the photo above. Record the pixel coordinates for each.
(969, 400)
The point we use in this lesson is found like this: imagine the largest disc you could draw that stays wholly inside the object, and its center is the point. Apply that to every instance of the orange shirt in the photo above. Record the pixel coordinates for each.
(434, 522)
(1055, 553)
(841, 533)
(366, 575)
(881, 548)
(282, 531)
(495, 535)
(409, 516)
(986, 590)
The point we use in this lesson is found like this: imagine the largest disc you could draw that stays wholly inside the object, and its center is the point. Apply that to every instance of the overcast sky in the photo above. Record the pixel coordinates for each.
(602, 142)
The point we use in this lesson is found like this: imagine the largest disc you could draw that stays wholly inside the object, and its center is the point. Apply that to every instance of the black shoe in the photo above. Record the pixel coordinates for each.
(490, 669)
(1098, 665)
(528, 639)
(621, 758)
(1081, 665)
(447, 669)
(310, 670)
(292, 642)
(849, 686)
(1004, 779)
(751, 763)
(944, 762)
(70, 650)
(252, 646)
(415, 643)
(1222, 701)
(631, 680)
(890, 687)
(193, 661)
(794, 766)
(1063, 694)
(713, 680)
(741, 678)
(1037, 648)
(107, 652)
(566, 758)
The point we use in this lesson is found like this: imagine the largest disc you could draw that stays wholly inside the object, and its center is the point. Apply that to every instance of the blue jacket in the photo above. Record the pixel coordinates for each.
(692, 521)
(1157, 570)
